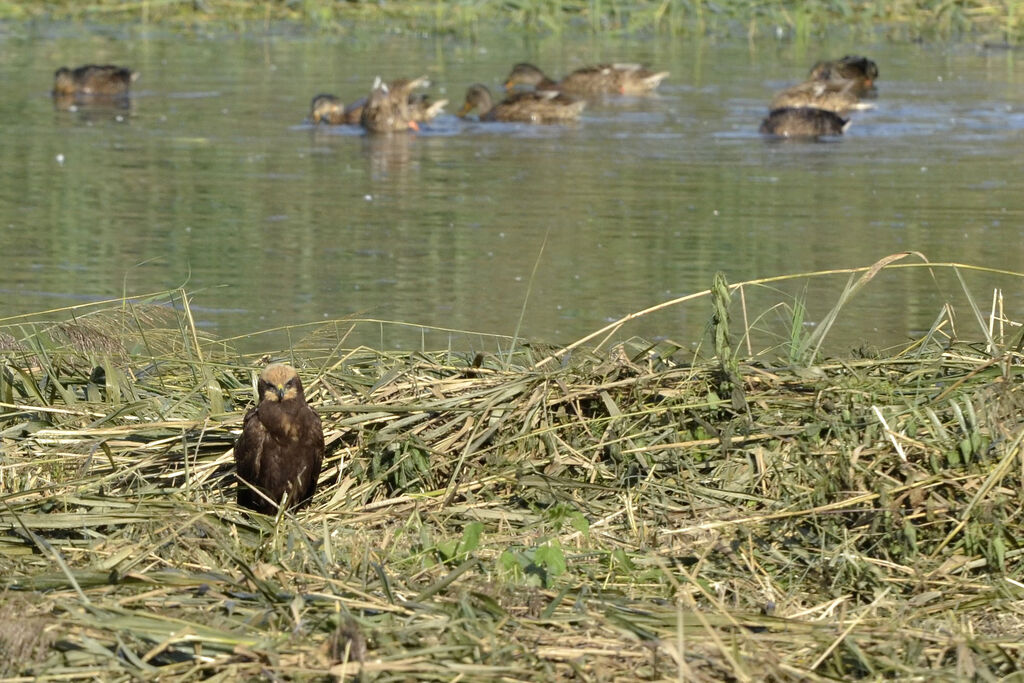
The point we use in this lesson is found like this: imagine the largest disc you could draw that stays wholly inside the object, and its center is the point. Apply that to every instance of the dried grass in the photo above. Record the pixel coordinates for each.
(598, 515)
(25, 638)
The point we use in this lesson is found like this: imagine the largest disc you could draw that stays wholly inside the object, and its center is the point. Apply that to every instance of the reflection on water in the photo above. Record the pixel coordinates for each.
(90, 105)
(388, 154)
(216, 182)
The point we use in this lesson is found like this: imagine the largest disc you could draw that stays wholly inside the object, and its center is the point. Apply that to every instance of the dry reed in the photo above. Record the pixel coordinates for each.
(635, 514)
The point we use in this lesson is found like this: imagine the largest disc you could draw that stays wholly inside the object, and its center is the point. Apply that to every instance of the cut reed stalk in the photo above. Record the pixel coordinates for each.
(612, 516)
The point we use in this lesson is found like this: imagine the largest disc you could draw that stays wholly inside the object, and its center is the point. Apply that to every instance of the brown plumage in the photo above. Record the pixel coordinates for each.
(792, 122)
(546, 106)
(329, 109)
(861, 70)
(281, 447)
(387, 109)
(425, 108)
(836, 96)
(600, 79)
(93, 79)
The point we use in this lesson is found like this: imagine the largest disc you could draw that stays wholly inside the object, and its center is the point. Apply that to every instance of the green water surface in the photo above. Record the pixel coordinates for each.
(211, 179)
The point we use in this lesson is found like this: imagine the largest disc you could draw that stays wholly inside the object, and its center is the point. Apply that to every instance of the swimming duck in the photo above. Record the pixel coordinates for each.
(861, 70)
(547, 106)
(387, 108)
(329, 109)
(93, 79)
(790, 122)
(622, 79)
(424, 108)
(835, 96)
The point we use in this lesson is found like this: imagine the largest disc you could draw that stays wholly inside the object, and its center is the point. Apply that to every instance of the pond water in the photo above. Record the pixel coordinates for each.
(211, 180)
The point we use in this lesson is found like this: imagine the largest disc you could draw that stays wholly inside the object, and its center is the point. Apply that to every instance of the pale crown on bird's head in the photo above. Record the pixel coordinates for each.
(279, 382)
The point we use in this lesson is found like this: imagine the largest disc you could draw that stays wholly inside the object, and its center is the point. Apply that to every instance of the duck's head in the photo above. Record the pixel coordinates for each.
(524, 74)
(477, 97)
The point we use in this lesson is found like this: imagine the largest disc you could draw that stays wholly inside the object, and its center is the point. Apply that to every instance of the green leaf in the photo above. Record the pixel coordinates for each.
(999, 550)
(910, 534)
(470, 538)
(550, 557)
(621, 559)
(580, 523)
(965, 449)
(447, 549)
(953, 458)
(511, 565)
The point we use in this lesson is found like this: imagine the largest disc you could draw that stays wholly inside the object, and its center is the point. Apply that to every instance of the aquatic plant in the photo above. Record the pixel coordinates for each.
(912, 18)
(588, 510)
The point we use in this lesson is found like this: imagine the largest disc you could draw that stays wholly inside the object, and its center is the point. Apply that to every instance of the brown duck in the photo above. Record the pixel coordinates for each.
(329, 109)
(387, 108)
(93, 79)
(601, 79)
(425, 108)
(861, 70)
(835, 96)
(791, 122)
(547, 106)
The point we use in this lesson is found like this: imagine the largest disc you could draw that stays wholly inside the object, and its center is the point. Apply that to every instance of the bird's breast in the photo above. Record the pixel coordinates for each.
(282, 424)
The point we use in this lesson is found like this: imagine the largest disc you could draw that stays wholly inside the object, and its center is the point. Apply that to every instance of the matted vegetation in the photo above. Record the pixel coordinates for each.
(999, 21)
(633, 514)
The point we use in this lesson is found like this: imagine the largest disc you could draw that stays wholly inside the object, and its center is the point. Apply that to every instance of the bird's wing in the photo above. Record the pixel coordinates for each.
(249, 446)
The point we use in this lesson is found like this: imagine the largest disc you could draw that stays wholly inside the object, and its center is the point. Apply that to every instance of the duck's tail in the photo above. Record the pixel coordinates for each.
(654, 80)
(434, 109)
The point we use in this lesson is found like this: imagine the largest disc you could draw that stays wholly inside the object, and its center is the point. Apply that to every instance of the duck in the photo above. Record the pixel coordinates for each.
(387, 107)
(329, 109)
(93, 79)
(425, 108)
(861, 70)
(600, 79)
(834, 96)
(791, 122)
(547, 106)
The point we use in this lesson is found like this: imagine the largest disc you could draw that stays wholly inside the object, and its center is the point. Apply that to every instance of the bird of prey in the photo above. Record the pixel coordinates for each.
(281, 448)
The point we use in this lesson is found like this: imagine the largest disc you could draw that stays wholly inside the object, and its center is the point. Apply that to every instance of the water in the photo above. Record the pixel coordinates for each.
(212, 181)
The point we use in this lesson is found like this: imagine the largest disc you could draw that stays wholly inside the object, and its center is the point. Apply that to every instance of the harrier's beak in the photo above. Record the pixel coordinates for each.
(279, 390)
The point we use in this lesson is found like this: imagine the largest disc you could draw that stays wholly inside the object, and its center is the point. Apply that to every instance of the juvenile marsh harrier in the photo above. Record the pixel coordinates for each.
(281, 448)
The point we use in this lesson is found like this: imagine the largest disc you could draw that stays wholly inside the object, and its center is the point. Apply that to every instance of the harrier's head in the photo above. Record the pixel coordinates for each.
(280, 382)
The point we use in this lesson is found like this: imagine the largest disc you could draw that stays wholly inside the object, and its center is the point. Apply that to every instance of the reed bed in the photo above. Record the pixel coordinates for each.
(528, 513)
(998, 21)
